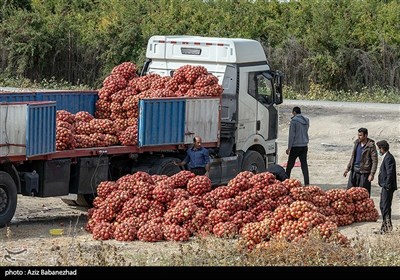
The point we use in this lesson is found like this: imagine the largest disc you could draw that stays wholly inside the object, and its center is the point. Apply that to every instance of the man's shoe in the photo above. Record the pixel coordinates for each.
(390, 225)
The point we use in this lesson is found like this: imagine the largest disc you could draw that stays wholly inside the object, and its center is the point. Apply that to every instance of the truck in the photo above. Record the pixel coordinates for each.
(239, 128)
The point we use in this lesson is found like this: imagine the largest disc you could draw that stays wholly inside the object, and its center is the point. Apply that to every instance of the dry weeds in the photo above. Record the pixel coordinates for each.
(72, 250)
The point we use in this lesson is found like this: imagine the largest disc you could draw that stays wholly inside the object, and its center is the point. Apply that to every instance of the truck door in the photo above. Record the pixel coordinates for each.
(267, 114)
(257, 114)
(247, 109)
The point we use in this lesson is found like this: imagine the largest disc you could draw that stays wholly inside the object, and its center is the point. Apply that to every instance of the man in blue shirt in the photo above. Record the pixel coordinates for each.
(197, 158)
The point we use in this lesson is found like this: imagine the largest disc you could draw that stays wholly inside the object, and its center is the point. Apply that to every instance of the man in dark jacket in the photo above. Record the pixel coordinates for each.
(298, 143)
(363, 162)
(388, 182)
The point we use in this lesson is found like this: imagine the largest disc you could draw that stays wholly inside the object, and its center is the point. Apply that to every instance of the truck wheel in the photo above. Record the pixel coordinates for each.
(8, 198)
(253, 162)
(165, 166)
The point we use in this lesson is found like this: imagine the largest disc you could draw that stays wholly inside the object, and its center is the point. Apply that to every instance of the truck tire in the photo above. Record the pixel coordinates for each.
(254, 162)
(165, 166)
(8, 198)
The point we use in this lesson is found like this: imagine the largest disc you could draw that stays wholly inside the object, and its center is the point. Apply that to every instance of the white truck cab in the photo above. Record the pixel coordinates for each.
(249, 116)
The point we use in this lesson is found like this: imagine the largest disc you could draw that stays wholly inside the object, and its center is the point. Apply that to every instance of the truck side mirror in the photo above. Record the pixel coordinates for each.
(145, 67)
(278, 88)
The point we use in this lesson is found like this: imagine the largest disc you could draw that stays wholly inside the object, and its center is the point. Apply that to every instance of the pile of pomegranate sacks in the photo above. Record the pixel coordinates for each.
(116, 115)
(256, 208)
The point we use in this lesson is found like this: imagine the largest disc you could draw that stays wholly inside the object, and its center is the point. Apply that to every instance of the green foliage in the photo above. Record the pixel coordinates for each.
(51, 83)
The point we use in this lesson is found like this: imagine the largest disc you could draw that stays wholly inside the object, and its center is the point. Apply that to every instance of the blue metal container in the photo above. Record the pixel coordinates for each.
(41, 128)
(17, 97)
(71, 101)
(27, 128)
(161, 121)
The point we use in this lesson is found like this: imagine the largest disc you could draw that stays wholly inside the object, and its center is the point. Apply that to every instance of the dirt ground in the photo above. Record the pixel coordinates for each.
(333, 128)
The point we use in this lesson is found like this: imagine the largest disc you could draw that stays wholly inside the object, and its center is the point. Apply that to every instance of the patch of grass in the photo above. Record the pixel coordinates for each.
(382, 250)
(373, 250)
(211, 251)
(51, 83)
(81, 254)
(376, 250)
(367, 95)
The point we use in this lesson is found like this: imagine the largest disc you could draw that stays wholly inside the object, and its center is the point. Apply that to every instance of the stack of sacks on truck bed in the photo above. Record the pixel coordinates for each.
(117, 109)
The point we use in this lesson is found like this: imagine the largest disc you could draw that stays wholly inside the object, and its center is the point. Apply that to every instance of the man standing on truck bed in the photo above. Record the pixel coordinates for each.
(197, 158)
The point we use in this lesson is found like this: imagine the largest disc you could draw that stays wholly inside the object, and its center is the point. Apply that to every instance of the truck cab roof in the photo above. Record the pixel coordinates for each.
(205, 49)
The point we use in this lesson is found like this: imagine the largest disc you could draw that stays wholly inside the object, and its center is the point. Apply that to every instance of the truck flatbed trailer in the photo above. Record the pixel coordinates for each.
(97, 151)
